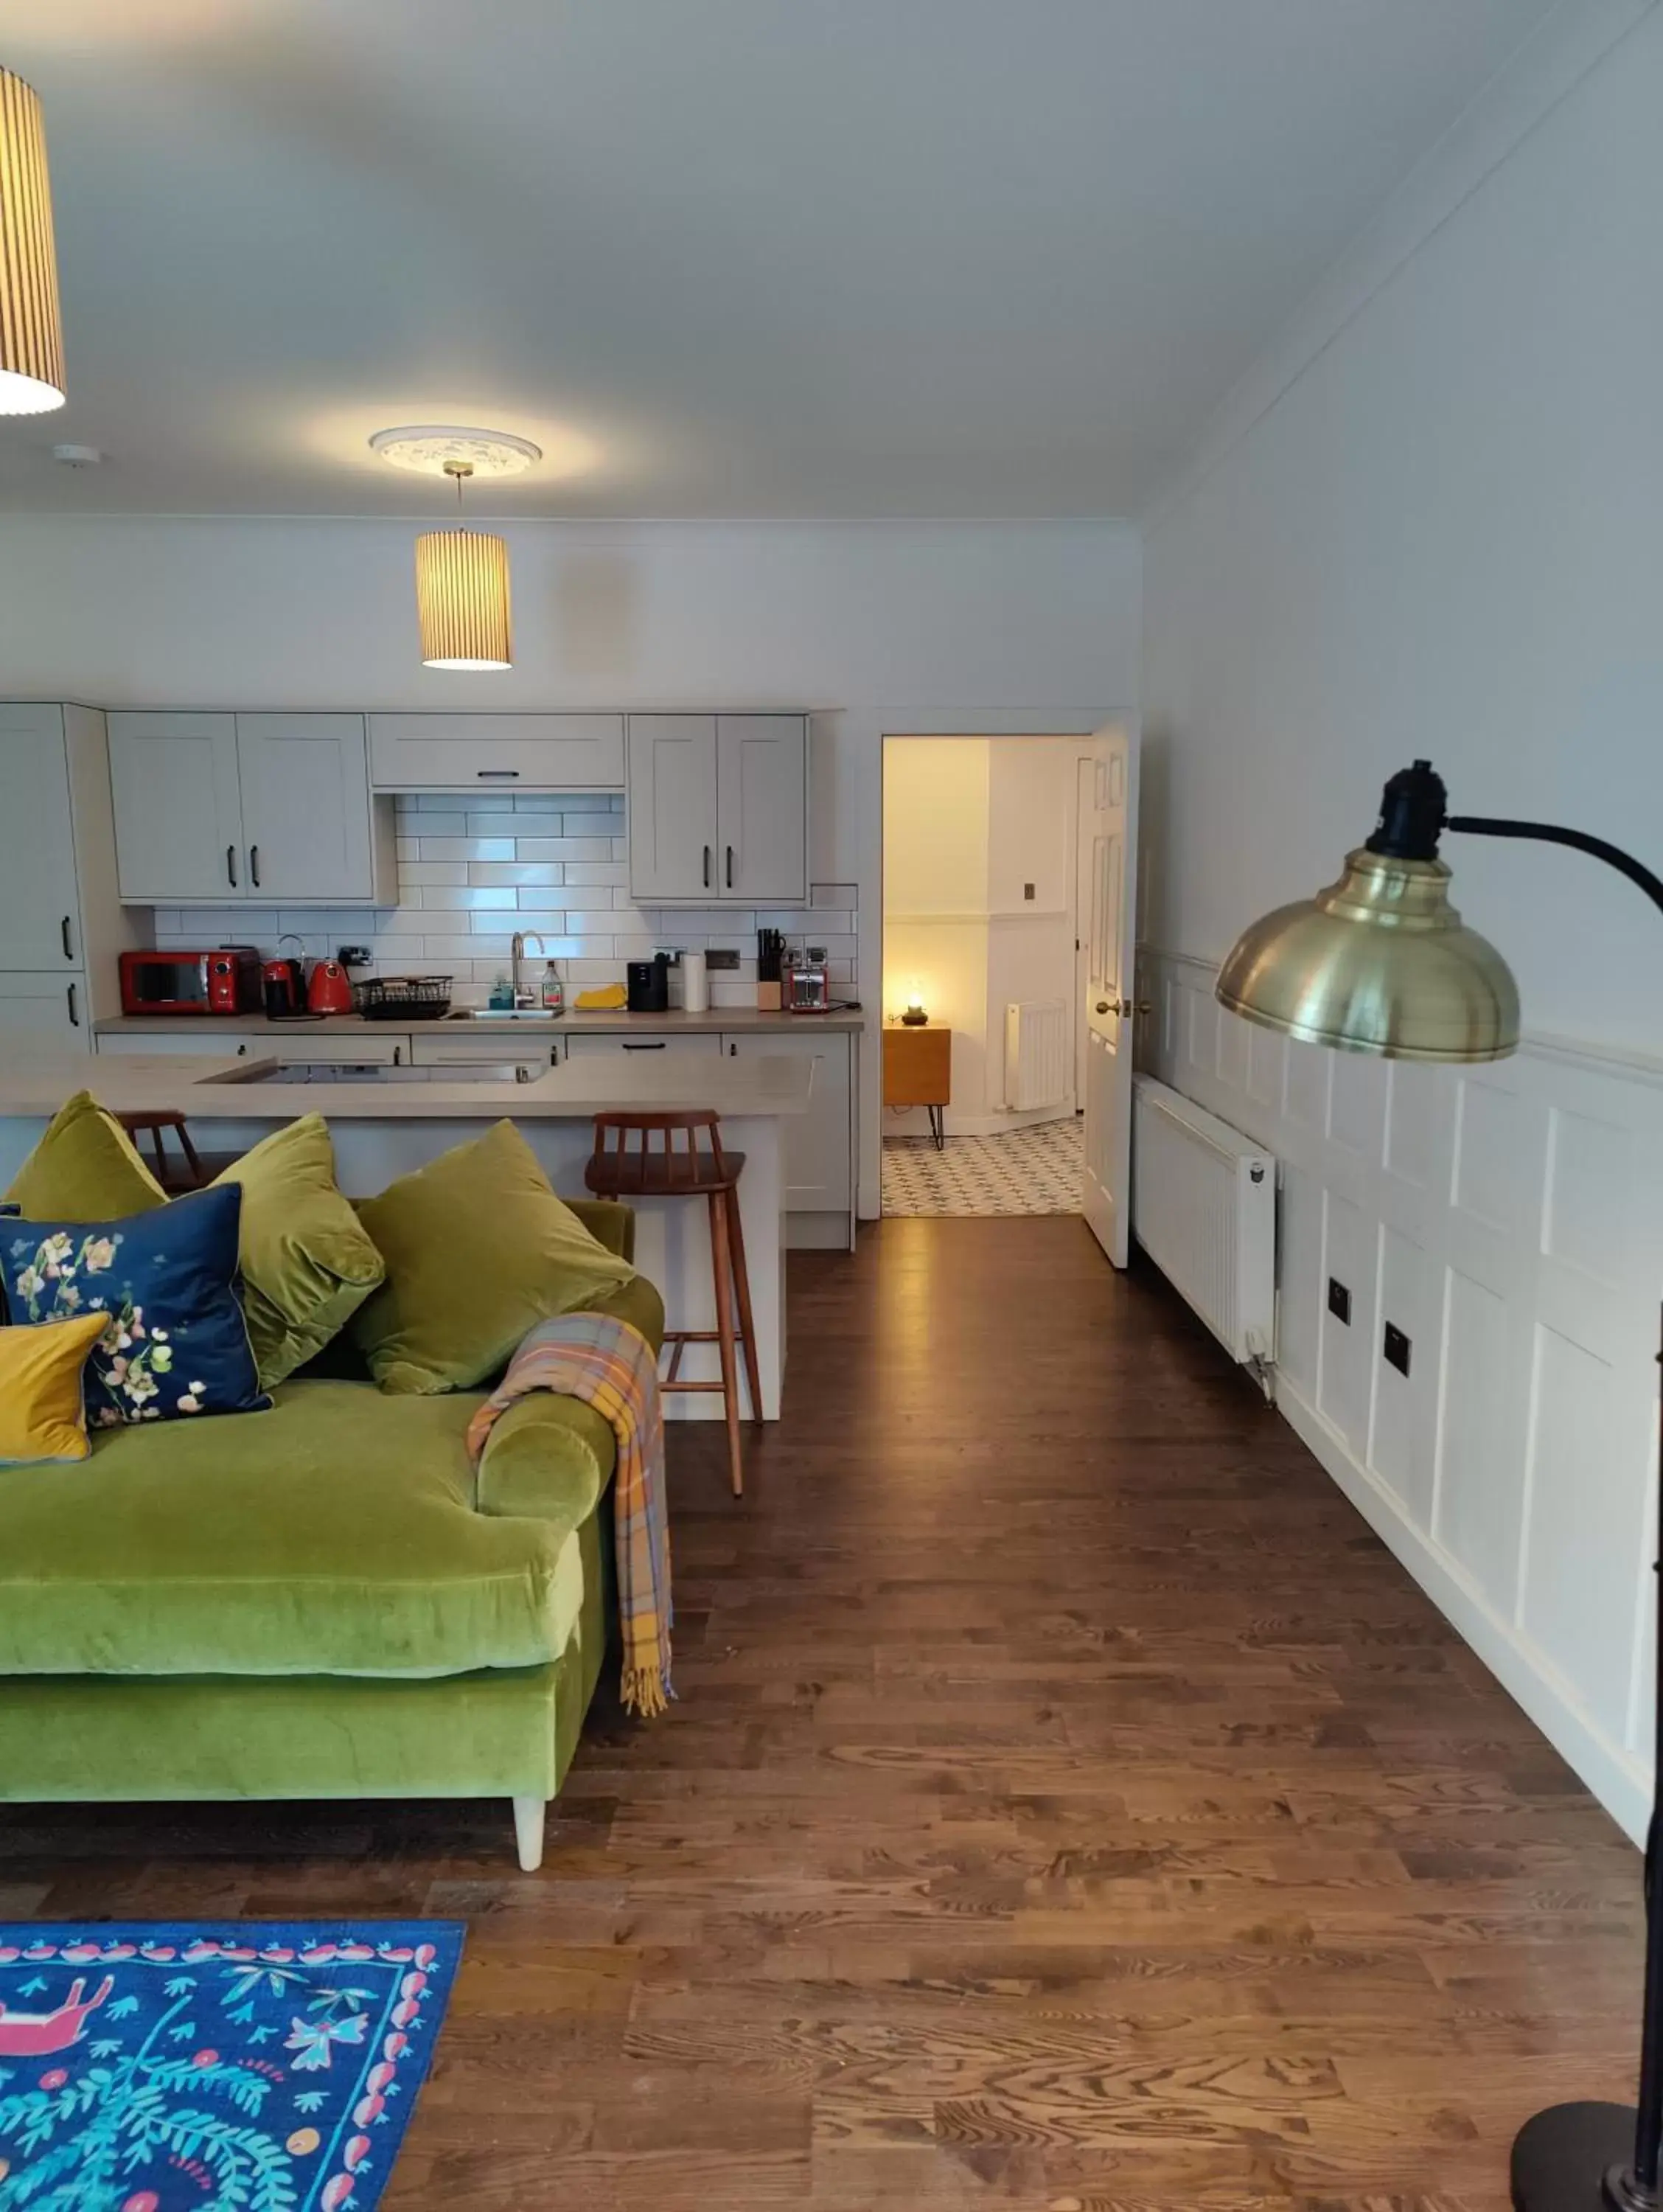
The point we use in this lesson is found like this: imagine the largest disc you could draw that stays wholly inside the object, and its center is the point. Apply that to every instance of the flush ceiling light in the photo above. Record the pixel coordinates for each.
(462, 594)
(31, 334)
(429, 449)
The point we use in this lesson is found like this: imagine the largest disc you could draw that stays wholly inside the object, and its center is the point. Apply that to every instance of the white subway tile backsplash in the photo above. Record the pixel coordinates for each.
(472, 870)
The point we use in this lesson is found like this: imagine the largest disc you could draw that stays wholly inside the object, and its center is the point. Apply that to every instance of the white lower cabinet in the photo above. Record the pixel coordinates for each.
(208, 1041)
(704, 1046)
(529, 1045)
(48, 1008)
(820, 1144)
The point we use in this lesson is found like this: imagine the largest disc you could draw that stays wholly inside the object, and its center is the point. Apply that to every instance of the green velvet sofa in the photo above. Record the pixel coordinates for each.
(322, 1601)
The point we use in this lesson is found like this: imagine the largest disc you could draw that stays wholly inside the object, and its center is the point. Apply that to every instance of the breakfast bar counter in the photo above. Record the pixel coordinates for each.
(386, 1121)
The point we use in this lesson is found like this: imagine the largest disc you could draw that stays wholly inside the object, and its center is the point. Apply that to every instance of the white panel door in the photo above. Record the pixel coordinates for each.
(306, 805)
(177, 808)
(672, 826)
(39, 910)
(819, 1169)
(49, 1008)
(761, 778)
(1109, 845)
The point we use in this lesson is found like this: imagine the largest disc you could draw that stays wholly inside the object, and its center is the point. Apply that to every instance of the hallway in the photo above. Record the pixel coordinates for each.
(1070, 1806)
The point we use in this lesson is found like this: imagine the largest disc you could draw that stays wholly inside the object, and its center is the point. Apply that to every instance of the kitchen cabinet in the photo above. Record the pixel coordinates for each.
(496, 752)
(819, 1144)
(718, 809)
(703, 1045)
(674, 829)
(62, 926)
(46, 1007)
(527, 1043)
(271, 808)
(214, 1038)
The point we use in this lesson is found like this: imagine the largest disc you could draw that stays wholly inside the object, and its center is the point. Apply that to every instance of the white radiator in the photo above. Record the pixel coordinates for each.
(1037, 1049)
(1203, 1208)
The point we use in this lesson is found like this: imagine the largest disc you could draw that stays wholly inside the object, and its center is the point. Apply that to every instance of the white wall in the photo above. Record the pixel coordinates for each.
(1429, 524)
(880, 626)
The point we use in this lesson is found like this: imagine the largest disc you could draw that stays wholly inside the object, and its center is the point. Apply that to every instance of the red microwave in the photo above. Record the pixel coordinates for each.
(225, 980)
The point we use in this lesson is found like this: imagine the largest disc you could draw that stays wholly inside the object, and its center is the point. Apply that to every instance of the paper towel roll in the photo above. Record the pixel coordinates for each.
(695, 984)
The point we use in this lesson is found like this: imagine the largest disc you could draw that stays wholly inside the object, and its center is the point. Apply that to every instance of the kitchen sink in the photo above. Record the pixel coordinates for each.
(502, 1014)
(379, 1071)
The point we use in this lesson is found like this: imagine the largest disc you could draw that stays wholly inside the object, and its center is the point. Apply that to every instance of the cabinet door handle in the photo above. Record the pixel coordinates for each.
(231, 865)
(730, 867)
(254, 865)
(69, 950)
(398, 1056)
(645, 1048)
(74, 1010)
(706, 867)
(497, 775)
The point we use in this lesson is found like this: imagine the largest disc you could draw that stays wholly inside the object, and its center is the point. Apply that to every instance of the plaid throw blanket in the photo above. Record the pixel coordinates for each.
(610, 1367)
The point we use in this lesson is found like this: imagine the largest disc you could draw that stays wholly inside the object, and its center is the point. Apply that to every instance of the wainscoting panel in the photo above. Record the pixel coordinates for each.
(1508, 1220)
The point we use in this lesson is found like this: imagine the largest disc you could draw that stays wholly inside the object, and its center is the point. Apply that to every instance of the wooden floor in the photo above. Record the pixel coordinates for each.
(1070, 1805)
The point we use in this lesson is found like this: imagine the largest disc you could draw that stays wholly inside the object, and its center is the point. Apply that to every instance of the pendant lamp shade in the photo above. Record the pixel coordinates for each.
(31, 333)
(462, 599)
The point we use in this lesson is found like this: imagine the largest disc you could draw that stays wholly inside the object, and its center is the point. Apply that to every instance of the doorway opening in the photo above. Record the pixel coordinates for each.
(985, 1055)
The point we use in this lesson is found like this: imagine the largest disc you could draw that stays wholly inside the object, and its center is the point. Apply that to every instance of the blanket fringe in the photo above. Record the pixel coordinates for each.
(645, 1692)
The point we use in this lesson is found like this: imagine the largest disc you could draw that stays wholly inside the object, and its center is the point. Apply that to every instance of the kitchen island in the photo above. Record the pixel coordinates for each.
(386, 1119)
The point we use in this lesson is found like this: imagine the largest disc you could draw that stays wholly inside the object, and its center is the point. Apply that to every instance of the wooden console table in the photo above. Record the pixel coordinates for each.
(918, 1070)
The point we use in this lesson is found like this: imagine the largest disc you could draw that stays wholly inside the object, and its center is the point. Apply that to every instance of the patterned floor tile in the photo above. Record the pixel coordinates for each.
(1035, 1170)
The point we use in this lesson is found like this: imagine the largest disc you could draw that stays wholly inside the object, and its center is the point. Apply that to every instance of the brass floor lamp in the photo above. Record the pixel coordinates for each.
(1380, 962)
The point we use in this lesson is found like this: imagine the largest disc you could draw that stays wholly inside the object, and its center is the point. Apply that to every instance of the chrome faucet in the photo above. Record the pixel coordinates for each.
(517, 946)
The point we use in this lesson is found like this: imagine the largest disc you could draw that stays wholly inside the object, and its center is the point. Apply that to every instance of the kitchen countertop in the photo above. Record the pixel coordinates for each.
(733, 1021)
(139, 1083)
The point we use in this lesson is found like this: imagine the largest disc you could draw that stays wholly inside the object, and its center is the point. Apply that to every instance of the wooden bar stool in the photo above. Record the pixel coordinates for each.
(192, 1172)
(628, 1164)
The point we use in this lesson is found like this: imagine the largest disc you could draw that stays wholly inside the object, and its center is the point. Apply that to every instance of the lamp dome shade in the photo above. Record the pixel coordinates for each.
(462, 599)
(1379, 962)
(30, 332)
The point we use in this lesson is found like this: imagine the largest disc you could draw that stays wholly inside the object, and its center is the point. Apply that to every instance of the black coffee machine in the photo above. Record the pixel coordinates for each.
(646, 985)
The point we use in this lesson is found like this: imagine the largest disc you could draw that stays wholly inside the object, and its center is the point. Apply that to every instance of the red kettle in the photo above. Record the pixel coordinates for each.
(330, 989)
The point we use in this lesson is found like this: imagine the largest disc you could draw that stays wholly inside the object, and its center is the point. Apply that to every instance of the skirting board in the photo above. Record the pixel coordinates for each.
(1613, 1778)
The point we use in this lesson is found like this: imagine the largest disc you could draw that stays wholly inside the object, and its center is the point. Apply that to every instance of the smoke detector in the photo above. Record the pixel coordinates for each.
(77, 457)
(438, 449)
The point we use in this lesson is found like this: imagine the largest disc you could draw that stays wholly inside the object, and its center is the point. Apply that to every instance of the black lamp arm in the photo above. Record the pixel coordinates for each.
(1548, 833)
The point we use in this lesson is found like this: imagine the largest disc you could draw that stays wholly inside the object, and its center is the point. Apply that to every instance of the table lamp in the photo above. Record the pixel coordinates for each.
(1379, 961)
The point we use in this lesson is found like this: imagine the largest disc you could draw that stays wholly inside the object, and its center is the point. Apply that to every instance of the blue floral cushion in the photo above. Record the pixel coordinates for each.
(177, 1343)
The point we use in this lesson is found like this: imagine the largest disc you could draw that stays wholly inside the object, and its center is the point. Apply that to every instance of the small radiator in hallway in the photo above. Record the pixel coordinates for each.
(1203, 1208)
(1037, 1050)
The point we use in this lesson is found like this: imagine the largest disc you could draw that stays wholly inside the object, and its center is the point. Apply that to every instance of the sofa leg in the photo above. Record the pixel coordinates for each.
(528, 1831)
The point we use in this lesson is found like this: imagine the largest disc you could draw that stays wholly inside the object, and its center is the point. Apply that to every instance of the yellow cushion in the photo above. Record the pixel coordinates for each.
(84, 1168)
(41, 1412)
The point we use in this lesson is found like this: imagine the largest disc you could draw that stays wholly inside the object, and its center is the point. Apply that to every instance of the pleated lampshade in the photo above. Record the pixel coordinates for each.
(31, 333)
(462, 599)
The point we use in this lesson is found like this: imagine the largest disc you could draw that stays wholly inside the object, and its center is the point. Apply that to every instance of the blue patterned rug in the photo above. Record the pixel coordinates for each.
(252, 2066)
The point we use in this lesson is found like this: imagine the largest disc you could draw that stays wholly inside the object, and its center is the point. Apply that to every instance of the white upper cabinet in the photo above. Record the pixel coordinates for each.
(304, 805)
(761, 786)
(178, 814)
(496, 752)
(718, 809)
(275, 808)
(39, 905)
(674, 829)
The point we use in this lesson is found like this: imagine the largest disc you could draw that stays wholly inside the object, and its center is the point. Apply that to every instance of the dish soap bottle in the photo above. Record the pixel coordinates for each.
(554, 991)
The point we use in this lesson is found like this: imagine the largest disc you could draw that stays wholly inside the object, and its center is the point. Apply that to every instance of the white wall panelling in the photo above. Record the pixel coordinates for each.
(1506, 1218)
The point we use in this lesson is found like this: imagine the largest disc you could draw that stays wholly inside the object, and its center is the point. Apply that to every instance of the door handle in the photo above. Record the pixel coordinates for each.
(706, 867)
(254, 865)
(1105, 1006)
(497, 775)
(730, 867)
(74, 1011)
(231, 865)
(69, 950)
(645, 1048)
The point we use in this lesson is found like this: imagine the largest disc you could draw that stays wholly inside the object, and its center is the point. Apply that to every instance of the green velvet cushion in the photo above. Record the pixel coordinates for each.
(335, 1535)
(478, 1250)
(307, 1262)
(84, 1168)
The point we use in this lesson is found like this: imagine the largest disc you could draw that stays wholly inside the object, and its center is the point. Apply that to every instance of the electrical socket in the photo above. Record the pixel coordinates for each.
(1339, 1301)
(1396, 1348)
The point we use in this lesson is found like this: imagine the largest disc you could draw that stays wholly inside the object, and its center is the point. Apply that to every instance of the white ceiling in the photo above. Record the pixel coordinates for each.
(720, 257)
